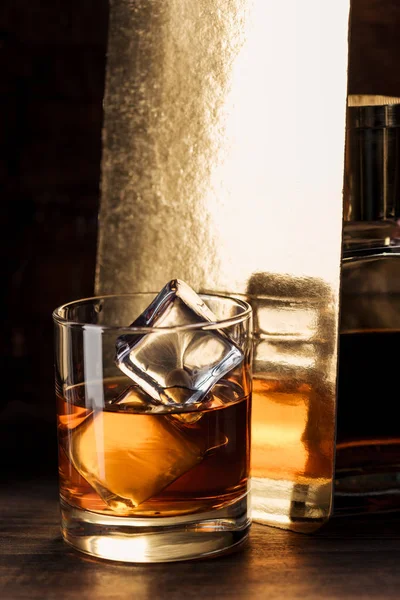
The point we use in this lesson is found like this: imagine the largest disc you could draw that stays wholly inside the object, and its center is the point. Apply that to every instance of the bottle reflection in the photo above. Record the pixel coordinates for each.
(293, 424)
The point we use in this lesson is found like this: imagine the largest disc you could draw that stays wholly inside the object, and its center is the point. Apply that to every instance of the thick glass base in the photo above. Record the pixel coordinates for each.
(142, 540)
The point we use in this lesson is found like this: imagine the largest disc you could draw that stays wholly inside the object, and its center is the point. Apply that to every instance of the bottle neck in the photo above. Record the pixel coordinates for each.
(372, 182)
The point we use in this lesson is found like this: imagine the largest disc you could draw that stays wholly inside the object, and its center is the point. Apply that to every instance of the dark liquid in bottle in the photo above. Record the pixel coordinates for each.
(368, 430)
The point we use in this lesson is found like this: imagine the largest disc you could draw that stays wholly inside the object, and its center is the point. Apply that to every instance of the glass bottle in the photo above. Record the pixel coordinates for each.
(368, 434)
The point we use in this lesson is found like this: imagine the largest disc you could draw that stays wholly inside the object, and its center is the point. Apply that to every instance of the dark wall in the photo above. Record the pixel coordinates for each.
(52, 62)
(375, 47)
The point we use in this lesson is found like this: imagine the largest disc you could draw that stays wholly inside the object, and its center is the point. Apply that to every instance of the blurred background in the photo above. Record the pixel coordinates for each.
(52, 66)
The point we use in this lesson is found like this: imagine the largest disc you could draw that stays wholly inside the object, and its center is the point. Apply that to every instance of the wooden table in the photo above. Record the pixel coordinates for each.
(348, 559)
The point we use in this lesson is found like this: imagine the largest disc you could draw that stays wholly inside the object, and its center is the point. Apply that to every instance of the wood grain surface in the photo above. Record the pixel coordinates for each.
(358, 558)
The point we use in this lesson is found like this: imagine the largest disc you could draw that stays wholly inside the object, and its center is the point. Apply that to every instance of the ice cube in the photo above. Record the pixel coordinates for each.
(73, 416)
(129, 458)
(131, 400)
(182, 366)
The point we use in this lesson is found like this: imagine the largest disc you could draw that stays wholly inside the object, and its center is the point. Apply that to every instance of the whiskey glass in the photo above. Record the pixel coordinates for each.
(142, 481)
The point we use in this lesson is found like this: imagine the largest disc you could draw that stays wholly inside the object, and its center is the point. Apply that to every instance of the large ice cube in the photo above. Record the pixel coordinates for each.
(181, 366)
(128, 458)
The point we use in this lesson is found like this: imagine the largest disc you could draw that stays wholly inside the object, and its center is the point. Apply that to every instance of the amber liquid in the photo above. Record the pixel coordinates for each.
(138, 464)
(290, 439)
(292, 454)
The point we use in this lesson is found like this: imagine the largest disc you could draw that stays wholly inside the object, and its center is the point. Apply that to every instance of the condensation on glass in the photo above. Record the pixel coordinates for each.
(223, 158)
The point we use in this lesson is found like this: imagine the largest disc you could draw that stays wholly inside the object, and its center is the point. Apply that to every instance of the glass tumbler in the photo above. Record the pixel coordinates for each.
(147, 481)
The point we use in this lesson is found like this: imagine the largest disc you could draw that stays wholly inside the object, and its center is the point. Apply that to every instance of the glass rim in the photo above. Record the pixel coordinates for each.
(204, 325)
